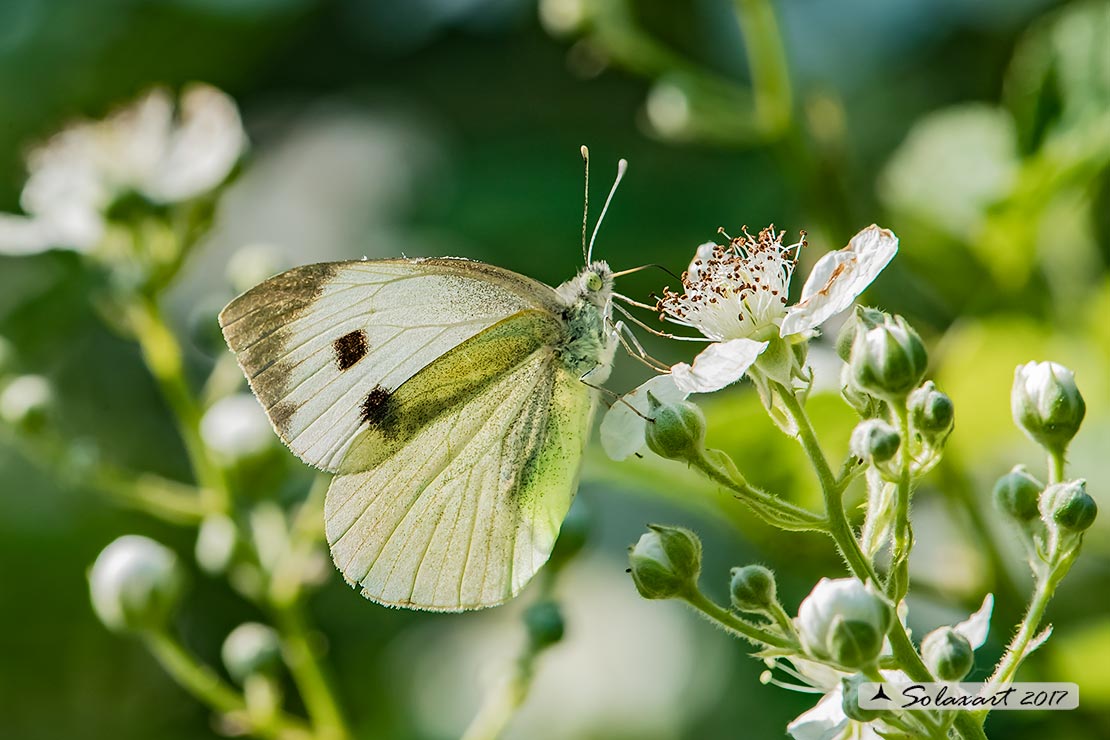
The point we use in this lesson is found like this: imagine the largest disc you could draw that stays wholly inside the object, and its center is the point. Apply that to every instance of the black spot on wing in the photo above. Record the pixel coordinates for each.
(376, 406)
(350, 348)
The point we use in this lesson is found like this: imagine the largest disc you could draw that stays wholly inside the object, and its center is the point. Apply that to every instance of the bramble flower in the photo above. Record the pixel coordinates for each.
(235, 427)
(827, 719)
(147, 149)
(736, 296)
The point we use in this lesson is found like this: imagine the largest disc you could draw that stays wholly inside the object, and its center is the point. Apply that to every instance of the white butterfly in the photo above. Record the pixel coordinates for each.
(448, 397)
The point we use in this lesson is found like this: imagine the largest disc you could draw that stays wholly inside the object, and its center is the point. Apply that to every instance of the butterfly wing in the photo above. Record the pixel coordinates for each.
(316, 341)
(453, 496)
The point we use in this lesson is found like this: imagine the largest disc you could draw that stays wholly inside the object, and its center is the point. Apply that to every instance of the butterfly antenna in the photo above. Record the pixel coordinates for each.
(585, 201)
(622, 165)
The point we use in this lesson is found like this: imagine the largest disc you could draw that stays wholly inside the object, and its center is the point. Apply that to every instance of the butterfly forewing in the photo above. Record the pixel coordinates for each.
(322, 344)
(463, 483)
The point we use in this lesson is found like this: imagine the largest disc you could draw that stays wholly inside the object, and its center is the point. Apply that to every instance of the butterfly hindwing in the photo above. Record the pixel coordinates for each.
(453, 497)
(318, 341)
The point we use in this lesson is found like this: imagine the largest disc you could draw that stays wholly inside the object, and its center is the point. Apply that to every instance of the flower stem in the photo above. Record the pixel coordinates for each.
(839, 527)
(734, 624)
(719, 468)
(771, 91)
(203, 683)
(898, 580)
(163, 355)
(327, 719)
(1056, 467)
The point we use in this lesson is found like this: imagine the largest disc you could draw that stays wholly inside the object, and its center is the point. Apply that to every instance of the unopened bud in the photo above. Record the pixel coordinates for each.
(1047, 404)
(135, 584)
(1017, 494)
(25, 402)
(250, 649)
(845, 621)
(889, 360)
(931, 413)
(1069, 505)
(676, 431)
(874, 441)
(850, 699)
(545, 624)
(948, 654)
(862, 319)
(753, 589)
(665, 562)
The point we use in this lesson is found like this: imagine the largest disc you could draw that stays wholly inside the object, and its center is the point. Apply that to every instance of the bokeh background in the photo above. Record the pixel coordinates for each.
(979, 132)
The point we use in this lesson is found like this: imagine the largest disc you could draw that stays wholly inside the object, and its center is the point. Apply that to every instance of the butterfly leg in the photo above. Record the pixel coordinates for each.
(636, 350)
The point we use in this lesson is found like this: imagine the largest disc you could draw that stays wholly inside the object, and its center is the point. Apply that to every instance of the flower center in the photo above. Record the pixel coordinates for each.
(734, 291)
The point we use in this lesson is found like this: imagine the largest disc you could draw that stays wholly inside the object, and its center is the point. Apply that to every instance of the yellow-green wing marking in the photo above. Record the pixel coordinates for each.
(453, 496)
(315, 340)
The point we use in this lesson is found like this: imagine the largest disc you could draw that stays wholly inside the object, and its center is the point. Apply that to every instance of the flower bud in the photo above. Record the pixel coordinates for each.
(25, 402)
(665, 562)
(850, 686)
(135, 584)
(845, 621)
(866, 405)
(874, 441)
(889, 360)
(753, 589)
(862, 319)
(1017, 493)
(677, 430)
(1047, 404)
(235, 427)
(931, 413)
(545, 625)
(1069, 505)
(216, 540)
(948, 654)
(250, 649)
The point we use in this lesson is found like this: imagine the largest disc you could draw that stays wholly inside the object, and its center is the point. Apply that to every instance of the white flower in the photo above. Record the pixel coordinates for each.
(236, 427)
(826, 720)
(736, 296)
(739, 292)
(146, 148)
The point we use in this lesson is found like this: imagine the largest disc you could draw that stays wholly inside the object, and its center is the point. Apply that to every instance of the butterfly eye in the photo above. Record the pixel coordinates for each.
(593, 281)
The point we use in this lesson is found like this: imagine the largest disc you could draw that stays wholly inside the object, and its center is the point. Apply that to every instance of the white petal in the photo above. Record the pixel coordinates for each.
(720, 364)
(975, 627)
(839, 277)
(701, 255)
(824, 722)
(622, 429)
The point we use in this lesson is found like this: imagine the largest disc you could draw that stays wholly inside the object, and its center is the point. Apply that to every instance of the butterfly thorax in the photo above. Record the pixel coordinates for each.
(589, 344)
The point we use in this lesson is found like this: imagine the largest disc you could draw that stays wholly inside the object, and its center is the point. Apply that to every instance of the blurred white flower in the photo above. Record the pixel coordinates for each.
(135, 584)
(147, 148)
(24, 397)
(236, 427)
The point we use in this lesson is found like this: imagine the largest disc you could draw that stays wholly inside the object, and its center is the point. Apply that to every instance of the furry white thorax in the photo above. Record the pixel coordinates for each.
(590, 339)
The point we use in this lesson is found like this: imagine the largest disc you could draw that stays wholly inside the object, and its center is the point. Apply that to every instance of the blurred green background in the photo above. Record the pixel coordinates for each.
(979, 132)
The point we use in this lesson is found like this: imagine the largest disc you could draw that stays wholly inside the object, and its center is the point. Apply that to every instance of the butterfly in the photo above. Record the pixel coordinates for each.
(452, 400)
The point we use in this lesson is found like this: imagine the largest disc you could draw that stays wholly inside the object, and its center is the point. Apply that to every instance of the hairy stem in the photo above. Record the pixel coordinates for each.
(734, 624)
(898, 580)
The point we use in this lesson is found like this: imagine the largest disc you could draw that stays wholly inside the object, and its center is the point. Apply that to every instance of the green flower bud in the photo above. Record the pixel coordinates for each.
(545, 625)
(1069, 505)
(948, 654)
(753, 589)
(677, 430)
(135, 584)
(251, 649)
(850, 701)
(25, 402)
(845, 621)
(866, 405)
(1047, 404)
(1017, 494)
(665, 562)
(874, 441)
(862, 318)
(889, 360)
(931, 413)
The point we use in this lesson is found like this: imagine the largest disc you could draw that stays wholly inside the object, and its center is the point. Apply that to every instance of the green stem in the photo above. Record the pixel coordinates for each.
(502, 704)
(731, 623)
(766, 59)
(203, 683)
(1056, 467)
(719, 468)
(163, 356)
(327, 719)
(839, 527)
(898, 580)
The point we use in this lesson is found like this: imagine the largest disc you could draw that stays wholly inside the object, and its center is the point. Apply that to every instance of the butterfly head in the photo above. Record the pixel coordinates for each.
(593, 285)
